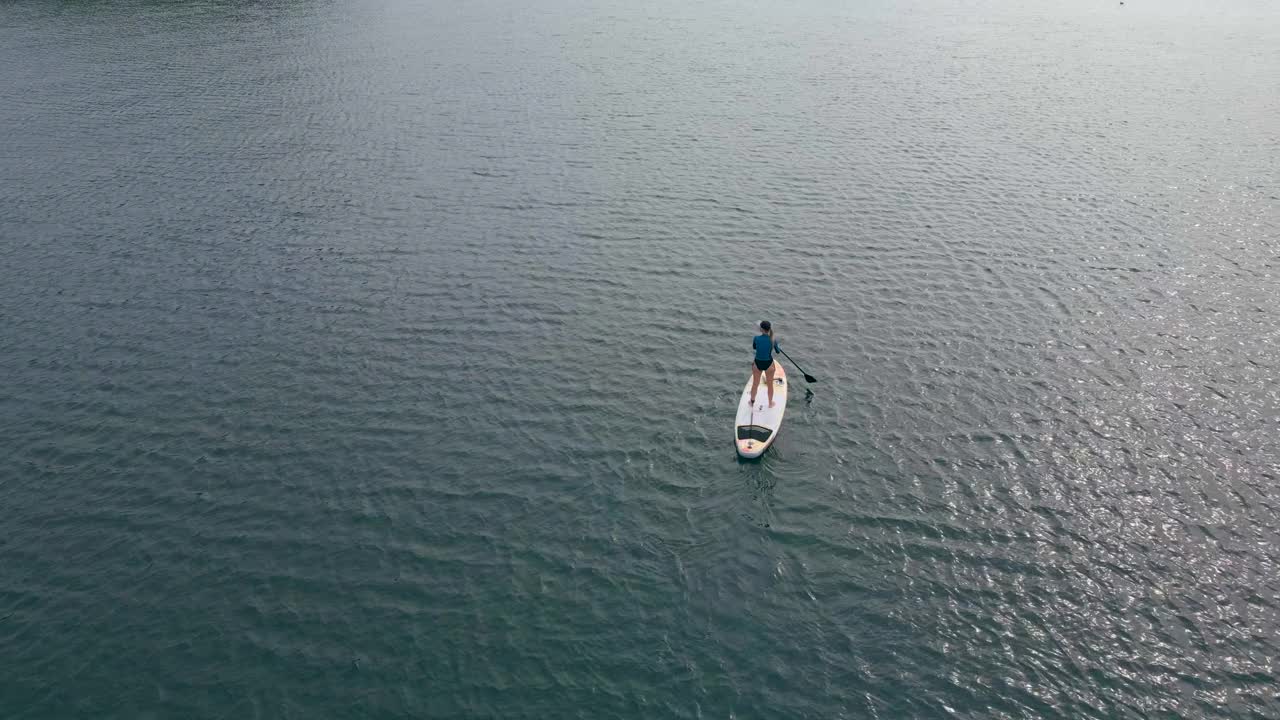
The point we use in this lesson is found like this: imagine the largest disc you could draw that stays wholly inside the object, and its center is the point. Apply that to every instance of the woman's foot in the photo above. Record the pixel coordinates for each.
(770, 404)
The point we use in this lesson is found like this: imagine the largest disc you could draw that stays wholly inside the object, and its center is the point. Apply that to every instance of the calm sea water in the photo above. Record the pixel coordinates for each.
(378, 359)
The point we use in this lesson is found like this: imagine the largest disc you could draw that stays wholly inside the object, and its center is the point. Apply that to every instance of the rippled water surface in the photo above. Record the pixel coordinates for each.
(378, 359)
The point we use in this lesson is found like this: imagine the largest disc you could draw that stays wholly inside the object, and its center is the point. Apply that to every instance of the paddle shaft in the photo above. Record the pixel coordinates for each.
(807, 376)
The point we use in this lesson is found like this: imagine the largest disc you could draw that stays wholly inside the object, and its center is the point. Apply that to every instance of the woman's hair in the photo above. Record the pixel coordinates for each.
(767, 327)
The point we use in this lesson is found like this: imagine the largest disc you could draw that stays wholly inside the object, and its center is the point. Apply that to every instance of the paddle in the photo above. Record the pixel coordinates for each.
(807, 377)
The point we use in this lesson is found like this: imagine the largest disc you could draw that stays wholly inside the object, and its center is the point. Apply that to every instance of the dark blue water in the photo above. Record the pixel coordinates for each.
(379, 359)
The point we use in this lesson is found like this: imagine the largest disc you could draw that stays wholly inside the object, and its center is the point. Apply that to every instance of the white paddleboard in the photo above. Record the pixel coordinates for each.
(757, 424)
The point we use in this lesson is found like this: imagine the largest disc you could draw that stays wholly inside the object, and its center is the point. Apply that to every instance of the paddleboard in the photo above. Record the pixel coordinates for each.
(757, 424)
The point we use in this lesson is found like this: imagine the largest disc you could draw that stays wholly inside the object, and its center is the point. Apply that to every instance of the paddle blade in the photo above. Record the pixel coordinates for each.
(809, 378)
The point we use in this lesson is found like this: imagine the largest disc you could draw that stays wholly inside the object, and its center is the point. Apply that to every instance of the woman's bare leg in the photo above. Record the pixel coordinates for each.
(769, 379)
(755, 382)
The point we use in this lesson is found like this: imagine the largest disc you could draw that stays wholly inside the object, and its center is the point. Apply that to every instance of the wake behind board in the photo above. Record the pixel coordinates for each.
(757, 425)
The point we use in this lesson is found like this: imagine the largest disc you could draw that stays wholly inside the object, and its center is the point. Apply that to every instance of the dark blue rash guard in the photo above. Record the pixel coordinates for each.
(764, 346)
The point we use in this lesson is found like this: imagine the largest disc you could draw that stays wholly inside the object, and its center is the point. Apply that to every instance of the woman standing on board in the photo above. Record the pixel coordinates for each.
(764, 345)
